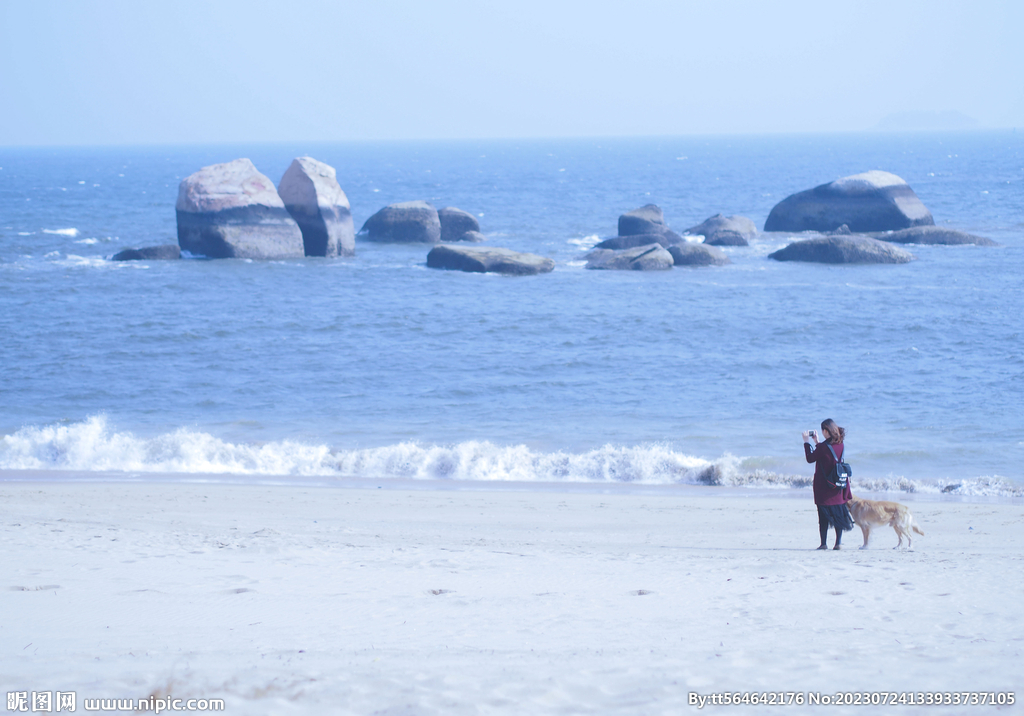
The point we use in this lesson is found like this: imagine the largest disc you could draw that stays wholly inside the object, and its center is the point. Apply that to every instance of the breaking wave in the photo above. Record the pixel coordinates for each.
(92, 445)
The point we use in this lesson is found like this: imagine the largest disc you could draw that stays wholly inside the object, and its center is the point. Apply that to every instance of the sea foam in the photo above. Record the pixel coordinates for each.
(93, 445)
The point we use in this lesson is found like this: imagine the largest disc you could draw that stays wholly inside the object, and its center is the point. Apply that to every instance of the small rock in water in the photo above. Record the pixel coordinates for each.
(406, 222)
(164, 252)
(455, 223)
(933, 235)
(652, 257)
(843, 250)
(488, 260)
(720, 230)
(617, 243)
(648, 219)
(688, 254)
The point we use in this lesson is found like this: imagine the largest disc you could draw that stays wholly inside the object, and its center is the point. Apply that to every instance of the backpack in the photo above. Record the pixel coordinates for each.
(841, 471)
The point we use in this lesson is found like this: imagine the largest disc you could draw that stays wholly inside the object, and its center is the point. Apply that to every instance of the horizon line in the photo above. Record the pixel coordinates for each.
(522, 138)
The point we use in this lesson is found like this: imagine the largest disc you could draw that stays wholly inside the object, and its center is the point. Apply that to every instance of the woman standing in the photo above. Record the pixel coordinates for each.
(831, 500)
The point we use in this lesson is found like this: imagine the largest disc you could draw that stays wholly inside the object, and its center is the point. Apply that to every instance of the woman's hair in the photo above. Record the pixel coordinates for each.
(836, 433)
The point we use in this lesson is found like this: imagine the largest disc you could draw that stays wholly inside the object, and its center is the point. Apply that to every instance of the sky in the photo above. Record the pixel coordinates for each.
(94, 72)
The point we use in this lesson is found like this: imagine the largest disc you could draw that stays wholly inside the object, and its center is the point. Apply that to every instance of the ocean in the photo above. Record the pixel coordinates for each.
(376, 366)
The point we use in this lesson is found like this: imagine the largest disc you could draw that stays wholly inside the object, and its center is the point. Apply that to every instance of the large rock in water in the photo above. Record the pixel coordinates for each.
(725, 230)
(688, 254)
(311, 194)
(232, 211)
(843, 250)
(645, 220)
(652, 257)
(933, 235)
(617, 243)
(488, 260)
(164, 252)
(455, 223)
(872, 201)
(408, 222)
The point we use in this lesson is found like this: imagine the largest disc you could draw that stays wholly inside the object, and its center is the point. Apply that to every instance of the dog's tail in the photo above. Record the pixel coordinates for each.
(913, 526)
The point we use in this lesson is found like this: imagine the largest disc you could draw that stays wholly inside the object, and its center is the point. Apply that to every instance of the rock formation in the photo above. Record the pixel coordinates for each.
(843, 250)
(645, 220)
(933, 235)
(232, 211)
(725, 230)
(872, 201)
(652, 257)
(408, 222)
(472, 237)
(487, 260)
(687, 254)
(312, 196)
(164, 252)
(617, 243)
(455, 223)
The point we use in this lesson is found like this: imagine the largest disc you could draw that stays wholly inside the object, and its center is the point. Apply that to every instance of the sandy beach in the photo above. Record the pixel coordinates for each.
(565, 600)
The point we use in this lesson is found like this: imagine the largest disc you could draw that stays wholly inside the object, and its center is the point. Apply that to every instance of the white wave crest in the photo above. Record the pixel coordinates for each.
(61, 232)
(587, 242)
(93, 445)
(74, 260)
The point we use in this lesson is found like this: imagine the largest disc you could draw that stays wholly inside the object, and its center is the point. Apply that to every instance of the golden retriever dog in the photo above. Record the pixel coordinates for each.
(877, 513)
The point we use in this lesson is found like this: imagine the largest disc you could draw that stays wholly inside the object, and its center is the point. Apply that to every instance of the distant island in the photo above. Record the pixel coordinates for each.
(925, 120)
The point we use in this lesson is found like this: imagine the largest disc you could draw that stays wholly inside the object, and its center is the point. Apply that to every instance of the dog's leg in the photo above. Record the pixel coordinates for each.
(908, 520)
(899, 534)
(867, 531)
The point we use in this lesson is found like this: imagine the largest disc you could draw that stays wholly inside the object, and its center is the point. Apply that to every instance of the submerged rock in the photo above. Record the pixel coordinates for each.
(232, 211)
(932, 235)
(843, 250)
(617, 243)
(720, 230)
(164, 252)
(645, 220)
(872, 201)
(311, 194)
(651, 257)
(472, 237)
(455, 223)
(407, 222)
(688, 254)
(491, 259)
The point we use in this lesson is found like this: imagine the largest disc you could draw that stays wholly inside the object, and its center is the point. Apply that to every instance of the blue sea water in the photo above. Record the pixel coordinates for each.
(378, 366)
